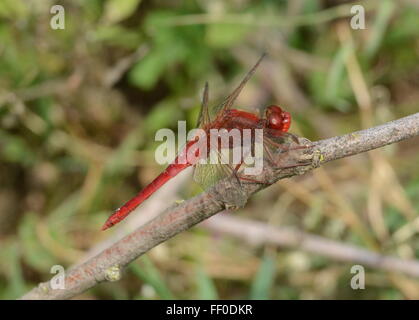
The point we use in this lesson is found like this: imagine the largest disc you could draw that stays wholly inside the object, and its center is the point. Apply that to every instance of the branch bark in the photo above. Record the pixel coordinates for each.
(258, 233)
(108, 265)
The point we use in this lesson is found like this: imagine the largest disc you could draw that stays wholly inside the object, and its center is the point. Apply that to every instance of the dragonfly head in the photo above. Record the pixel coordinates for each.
(277, 118)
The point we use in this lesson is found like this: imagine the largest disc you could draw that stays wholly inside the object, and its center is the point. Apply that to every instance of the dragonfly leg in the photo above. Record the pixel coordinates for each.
(278, 166)
(295, 165)
(281, 146)
(254, 180)
(251, 180)
(269, 154)
(241, 178)
(271, 157)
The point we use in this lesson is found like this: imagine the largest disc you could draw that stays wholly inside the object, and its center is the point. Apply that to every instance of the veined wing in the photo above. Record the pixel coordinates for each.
(207, 174)
(204, 117)
(229, 101)
(276, 148)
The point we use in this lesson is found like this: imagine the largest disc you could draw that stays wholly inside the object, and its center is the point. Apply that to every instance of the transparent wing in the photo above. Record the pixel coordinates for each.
(207, 174)
(279, 149)
(204, 117)
(229, 101)
(279, 142)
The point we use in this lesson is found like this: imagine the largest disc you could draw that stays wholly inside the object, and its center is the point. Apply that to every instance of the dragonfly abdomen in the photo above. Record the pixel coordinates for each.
(121, 213)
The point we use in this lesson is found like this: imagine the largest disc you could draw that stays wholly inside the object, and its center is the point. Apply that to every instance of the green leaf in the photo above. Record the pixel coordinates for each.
(148, 273)
(117, 10)
(117, 162)
(162, 115)
(225, 35)
(10, 264)
(64, 213)
(335, 78)
(13, 8)
(407, 28)
(264, 279)
(379, 28)
(205, 286)
(34, 253)
(15, 149)
(118, 36)
(146, 72)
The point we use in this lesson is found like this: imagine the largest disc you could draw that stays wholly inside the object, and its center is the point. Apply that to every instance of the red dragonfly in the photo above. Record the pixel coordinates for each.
(275, 124)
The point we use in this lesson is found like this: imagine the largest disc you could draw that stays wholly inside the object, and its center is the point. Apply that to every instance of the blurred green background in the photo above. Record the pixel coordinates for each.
(79, 108)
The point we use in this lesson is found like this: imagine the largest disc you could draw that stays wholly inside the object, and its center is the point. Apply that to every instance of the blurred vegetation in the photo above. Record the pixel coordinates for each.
(79, 108)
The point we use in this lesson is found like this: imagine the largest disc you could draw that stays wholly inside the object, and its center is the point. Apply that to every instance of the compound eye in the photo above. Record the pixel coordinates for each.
(275, 121)
(286, 121)
(274, 117)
